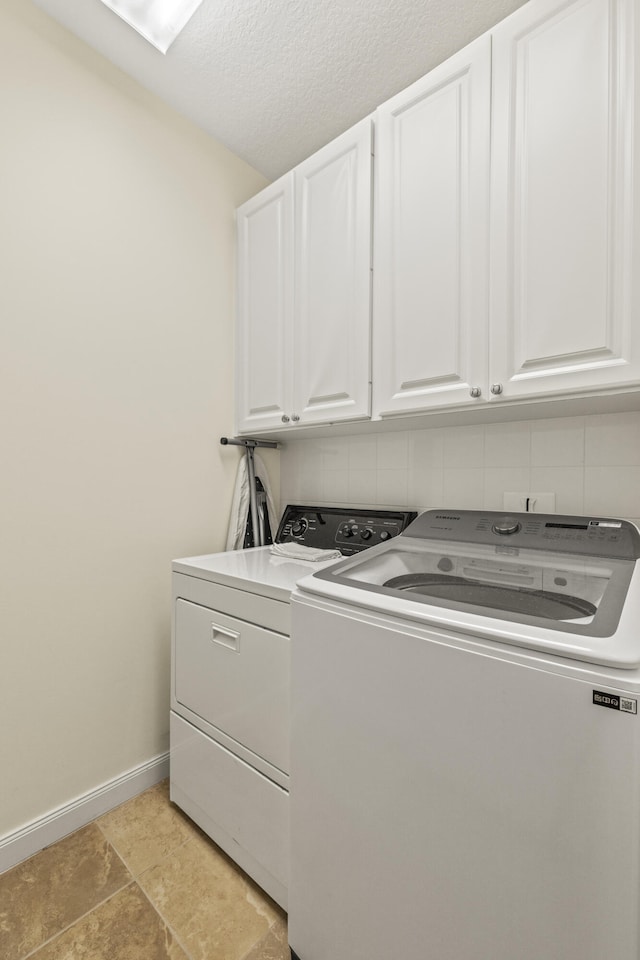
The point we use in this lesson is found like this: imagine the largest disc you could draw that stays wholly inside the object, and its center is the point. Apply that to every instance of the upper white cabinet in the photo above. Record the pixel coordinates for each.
(506, 236)
(265, 307)
(430, 303)
(332, 333)
(564, 314)
(303, 349)
(544, 301)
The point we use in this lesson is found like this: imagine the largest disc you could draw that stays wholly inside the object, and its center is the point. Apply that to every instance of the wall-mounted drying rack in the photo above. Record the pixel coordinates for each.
(257, 516)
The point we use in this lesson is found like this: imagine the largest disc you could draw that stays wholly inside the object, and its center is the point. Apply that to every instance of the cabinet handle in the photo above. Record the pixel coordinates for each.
(285, 418)
(496, 389)
(226, 638)
(475, 392)
(295, 417)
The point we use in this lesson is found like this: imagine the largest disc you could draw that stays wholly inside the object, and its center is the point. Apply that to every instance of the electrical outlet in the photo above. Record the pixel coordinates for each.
(530, 502)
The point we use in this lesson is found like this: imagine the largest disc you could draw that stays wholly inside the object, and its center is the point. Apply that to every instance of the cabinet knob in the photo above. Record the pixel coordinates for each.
(496, 389)
(295, 417)
(475, 392)
(285, 418)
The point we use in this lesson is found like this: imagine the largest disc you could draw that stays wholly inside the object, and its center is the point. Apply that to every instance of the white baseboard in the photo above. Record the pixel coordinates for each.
(40, 833)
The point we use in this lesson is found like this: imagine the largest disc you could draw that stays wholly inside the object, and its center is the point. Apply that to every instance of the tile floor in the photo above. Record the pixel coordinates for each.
(140, 883)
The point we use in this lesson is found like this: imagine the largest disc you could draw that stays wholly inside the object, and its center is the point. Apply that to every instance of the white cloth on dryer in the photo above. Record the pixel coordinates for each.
(298, 551)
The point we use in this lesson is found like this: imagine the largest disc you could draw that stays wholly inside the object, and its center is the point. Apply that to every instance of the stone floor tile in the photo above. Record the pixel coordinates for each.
(275, 946)
(147, 828)
(126, 927)
(215, 910)
(46, 893)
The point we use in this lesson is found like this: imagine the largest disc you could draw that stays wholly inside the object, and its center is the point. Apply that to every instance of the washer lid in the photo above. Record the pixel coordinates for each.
(552, 574)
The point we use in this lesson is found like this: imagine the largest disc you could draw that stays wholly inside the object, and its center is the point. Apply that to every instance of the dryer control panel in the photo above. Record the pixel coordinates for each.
(341, 528)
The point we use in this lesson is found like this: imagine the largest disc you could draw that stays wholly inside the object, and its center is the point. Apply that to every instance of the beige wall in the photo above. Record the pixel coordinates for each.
(116, 330)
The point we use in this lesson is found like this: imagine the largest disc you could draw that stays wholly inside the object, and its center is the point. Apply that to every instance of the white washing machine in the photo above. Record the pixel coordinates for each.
(229, 726)
(465, 756)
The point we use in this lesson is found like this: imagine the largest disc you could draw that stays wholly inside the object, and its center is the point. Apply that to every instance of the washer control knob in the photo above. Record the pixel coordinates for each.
(445, 564)
(506, 526)
(298, 527)
(366, 534)
(349, 530)
(384, 534)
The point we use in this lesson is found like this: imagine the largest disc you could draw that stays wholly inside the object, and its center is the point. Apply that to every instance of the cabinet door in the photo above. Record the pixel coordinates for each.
(331, 371)
(562, 204)
(431, 237)
(265, 307)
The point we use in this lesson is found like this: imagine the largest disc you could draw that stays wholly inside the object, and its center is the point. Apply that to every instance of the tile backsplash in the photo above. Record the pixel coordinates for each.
(590, 463)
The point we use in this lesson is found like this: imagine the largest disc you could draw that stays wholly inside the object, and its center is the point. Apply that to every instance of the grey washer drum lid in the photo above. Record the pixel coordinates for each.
(522, 600)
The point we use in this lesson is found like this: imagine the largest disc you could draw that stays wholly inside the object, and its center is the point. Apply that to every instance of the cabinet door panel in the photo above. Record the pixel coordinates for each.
(430, 256)
(332, 306)
(265, 306)
(562, 214)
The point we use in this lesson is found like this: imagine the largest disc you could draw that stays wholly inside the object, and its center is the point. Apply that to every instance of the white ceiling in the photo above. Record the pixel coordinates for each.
(275, 79)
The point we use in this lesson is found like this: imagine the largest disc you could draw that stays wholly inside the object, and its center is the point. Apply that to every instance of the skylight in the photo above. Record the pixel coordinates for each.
(158, 21)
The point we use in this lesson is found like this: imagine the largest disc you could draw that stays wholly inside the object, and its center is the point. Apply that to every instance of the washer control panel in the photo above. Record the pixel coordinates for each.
(586, 536)
(341, 528)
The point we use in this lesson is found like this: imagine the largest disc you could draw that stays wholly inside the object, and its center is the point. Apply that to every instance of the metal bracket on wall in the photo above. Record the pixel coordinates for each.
(250, 445)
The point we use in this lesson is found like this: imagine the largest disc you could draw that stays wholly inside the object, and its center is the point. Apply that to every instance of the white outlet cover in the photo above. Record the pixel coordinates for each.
(530, 502)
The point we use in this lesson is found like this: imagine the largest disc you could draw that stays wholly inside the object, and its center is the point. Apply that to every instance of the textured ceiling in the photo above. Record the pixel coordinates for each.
(274, 80)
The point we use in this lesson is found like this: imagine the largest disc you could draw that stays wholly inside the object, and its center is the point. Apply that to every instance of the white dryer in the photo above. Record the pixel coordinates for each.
(229, 726)
(465, 757)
